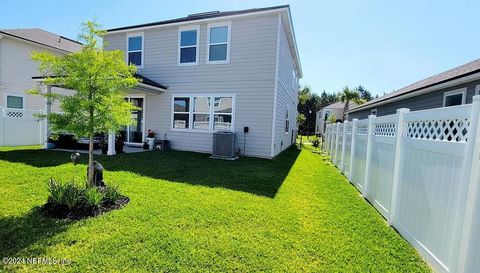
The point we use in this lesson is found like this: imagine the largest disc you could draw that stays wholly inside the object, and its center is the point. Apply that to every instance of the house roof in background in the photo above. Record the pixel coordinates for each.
(449, 75)
(45, 38)
(339, 105)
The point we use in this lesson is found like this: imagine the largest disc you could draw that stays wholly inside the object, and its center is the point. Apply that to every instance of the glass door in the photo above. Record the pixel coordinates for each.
(133, 133)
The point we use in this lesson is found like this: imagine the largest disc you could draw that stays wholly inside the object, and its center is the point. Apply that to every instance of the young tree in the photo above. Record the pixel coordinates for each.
(347, 95)
(100, 79)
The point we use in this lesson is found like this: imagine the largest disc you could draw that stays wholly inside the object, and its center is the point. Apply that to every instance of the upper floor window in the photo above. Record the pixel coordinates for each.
(455, 97)
(135, 49)
(218, 50)
(373, 112)
(15, 102)
(188, 45)
(477, 89)
(327, 114)
(294, 80)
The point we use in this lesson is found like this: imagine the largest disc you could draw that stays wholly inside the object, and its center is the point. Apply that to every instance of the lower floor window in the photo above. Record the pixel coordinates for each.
(203, 112)
(15, 102)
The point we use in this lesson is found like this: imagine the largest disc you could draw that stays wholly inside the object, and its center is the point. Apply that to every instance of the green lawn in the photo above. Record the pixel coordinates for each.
(190, 213)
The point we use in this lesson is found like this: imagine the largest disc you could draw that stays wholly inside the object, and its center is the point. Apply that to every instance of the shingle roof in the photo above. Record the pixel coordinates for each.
(340, 105)
(141, 78)
(199, 16)
(452, 74)
(148, 81)
(44, 38)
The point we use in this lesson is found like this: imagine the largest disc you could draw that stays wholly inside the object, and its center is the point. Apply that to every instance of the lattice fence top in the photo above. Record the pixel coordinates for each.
(451, 130)
(362, 129)
(385, 129)
(19, 113)
(13, 114)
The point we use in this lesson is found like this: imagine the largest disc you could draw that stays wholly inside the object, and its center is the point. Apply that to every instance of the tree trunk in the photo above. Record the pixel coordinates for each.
(90, 161)
(345, 109)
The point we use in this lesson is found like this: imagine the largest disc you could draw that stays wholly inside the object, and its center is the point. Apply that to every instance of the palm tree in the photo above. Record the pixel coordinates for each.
(347, 95)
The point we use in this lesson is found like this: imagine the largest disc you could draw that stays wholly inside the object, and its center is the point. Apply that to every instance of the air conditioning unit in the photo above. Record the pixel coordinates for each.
(224, 145)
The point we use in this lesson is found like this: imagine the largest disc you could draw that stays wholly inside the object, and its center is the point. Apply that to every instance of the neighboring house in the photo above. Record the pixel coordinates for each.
(332, 109)
(453, 87)
(220, 71)
(17, 67)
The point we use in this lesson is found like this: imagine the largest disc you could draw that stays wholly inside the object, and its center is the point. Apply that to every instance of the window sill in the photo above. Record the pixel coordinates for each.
(218, 62)
(198, 131)
(187, 64)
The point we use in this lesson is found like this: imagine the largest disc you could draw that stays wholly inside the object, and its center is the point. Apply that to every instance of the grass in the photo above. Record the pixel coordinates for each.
(189, 213)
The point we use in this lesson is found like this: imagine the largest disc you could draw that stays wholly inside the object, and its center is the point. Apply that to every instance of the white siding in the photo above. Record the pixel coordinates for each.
(287, 97)
(249, 75)
(16, 72)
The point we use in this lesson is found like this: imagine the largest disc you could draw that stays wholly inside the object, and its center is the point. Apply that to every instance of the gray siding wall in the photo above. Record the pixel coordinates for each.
(287, 97)
(250, 75)
(16, 72)
(426, 101)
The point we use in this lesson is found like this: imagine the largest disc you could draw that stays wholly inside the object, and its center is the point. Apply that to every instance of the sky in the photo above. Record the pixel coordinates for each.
(382, 45)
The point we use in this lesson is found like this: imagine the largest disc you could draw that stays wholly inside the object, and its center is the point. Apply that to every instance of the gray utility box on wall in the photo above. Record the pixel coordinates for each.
(224, 145)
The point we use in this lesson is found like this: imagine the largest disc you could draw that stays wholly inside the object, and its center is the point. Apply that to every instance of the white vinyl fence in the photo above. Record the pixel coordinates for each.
(420, 170)
(20, 127)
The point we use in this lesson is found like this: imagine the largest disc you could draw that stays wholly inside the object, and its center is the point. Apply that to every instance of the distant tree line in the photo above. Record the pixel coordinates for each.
(309, 103)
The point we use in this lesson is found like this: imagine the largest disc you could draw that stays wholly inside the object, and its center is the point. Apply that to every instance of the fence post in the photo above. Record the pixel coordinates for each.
(352, 147)
(472, 169)
(369, 154)
(344, 136)
(397, 164)
(337, 130)
(332, 142)
(326, 134)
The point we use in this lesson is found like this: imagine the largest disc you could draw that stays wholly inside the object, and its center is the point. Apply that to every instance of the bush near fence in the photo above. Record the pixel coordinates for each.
(420, 170)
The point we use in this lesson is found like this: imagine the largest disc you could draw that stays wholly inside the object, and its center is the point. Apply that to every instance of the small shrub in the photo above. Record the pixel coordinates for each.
(111, 193)
(316, 142)
(72, 195)
(56, 191)
(93, 197)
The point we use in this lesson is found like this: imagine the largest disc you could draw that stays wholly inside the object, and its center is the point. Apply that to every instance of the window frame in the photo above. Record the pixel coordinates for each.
(194, 112)
(197, 45)
(294, 79)
(211, 112)
(189, 113)
(287, 122)
(219, 24)
(136, 34)
(462, 91)
(477, 89)
(327, 112)
(374, 110)
(14, 95)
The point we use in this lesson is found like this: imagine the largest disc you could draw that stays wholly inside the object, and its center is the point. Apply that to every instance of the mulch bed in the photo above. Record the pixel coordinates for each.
(81, 211)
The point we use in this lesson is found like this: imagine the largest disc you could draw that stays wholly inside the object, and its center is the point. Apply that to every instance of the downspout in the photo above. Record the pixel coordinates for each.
(275, 90)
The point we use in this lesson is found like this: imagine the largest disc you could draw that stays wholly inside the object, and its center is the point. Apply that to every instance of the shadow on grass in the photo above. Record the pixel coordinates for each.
(253, 175)
(20, 232)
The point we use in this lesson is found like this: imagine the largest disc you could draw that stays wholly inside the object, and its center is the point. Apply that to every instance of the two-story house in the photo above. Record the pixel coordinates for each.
(220, 71)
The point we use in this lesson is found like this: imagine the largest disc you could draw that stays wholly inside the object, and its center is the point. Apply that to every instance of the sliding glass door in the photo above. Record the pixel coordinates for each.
(134, 133)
